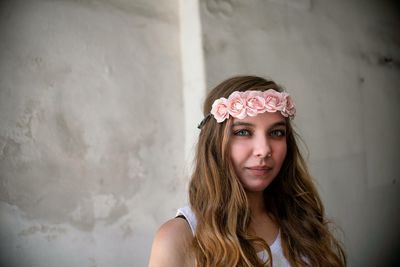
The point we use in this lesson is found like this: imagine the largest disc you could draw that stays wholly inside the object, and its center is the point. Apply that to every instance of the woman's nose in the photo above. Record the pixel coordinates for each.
(262, 147)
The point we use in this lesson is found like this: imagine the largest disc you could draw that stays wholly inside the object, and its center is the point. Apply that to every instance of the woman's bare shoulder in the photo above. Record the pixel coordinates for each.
(171, 244)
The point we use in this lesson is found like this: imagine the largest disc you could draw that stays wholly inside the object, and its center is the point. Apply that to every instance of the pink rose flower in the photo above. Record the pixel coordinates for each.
(237, 105)
(220, 109)
(289, 107)
(273, 100)
(255, 102)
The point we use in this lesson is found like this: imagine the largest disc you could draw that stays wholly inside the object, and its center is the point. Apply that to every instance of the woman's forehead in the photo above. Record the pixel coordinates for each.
(266, 118)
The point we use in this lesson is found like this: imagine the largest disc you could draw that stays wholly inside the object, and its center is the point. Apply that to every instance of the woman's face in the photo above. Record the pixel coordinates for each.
(258, 149)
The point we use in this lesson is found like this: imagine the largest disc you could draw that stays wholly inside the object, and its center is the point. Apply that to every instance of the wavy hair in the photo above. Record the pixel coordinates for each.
(219, 201)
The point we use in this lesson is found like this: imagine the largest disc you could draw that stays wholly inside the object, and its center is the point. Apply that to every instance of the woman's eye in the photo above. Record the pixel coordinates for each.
(242, 133)
(278, 133)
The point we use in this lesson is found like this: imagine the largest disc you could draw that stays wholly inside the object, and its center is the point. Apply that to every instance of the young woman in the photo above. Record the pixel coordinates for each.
(252, 200)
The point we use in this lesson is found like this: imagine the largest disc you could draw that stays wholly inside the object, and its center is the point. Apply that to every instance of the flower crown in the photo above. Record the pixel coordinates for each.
(250, 103)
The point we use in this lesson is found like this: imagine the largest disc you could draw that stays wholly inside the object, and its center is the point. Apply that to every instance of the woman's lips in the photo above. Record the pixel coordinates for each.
(259, 170)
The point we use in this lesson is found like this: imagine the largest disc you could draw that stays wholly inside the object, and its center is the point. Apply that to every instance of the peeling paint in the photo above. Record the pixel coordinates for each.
(103, 204)
(70, 137)
(117, 212)
(219, 7)
(83, 216)
(24, 125)
(126, 230)
(10, 148)
(379, 59)
(49, 232)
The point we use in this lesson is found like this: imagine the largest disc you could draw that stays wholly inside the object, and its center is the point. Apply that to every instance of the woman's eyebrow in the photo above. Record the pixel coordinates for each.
(279, 123)
(240, 123)
(248, 124)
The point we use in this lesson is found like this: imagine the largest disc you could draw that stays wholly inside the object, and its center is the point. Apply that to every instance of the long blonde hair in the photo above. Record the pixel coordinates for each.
(219, 201)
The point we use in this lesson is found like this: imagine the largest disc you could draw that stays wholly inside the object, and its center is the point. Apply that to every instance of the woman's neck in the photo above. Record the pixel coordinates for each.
(256, 203)
(262, 223)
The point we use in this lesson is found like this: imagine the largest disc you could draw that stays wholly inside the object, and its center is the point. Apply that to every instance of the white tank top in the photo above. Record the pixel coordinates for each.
(279, 259)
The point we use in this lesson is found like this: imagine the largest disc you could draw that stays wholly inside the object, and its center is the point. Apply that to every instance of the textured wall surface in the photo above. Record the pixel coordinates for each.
(90, 137)
(341, 61)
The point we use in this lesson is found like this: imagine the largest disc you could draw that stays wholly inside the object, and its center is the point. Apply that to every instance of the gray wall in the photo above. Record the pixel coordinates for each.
(90, 139)
(341, 61)
(92, 117)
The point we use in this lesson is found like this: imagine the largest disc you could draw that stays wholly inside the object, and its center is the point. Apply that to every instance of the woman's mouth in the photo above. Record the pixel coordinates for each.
(259, 170)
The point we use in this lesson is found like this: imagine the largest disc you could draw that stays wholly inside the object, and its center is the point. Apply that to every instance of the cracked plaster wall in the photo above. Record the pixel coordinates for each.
(90, 138)
(341, 61)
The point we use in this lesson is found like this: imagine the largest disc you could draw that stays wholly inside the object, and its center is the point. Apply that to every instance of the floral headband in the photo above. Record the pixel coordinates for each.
(250, 103)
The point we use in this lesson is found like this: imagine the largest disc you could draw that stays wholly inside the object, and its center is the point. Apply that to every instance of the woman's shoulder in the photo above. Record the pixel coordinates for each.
(174, 230)
(171, 244)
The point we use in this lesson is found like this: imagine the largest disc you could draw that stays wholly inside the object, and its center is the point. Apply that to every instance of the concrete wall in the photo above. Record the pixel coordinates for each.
(341, 61)
(94, 99)
(90, 141)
